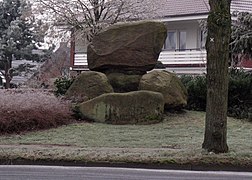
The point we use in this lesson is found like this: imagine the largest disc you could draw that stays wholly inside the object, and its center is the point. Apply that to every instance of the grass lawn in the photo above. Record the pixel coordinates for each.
(177, 139)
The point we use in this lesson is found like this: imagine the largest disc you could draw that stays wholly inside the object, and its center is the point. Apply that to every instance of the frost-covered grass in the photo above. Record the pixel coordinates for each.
(178, 139)
(29, 109)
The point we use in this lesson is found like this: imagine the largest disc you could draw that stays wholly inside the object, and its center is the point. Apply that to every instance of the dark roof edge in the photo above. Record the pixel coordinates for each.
(184, 15)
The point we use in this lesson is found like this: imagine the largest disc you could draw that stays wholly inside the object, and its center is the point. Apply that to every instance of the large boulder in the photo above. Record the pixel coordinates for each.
(138, 107)
(174, 92)
(128, 46)
(124, 82)
(88, 85)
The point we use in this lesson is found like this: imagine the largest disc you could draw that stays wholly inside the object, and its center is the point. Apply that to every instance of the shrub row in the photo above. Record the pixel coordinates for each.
(62, 84)
(239, 94)
(25, 110)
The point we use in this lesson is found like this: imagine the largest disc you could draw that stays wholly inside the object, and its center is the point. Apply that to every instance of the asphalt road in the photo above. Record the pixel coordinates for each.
(97, 173)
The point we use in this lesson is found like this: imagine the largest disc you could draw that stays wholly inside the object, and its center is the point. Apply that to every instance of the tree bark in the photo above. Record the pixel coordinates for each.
(219, 30)
(7, 68)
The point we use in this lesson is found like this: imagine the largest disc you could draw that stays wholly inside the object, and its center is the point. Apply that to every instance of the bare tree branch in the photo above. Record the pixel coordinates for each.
(90, 16)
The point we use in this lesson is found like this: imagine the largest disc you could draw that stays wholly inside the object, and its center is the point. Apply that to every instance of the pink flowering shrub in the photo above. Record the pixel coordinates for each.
(29, 109)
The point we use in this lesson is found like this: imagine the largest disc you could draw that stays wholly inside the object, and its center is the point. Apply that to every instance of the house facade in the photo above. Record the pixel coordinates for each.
(185, 43)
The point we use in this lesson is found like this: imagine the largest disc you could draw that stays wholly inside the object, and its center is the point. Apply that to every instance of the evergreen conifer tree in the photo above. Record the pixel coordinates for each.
(17, 40)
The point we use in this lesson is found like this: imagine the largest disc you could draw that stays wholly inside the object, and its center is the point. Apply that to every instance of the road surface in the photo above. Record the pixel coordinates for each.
(100, 173)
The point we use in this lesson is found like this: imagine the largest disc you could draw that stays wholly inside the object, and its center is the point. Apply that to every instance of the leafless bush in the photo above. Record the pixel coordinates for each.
(29, 109)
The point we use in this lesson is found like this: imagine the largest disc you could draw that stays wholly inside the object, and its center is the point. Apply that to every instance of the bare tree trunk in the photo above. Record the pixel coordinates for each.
(7, 68)
(219, 29)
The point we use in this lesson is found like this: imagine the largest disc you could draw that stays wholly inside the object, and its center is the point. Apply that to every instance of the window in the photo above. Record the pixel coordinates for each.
(81, 45)
(175, 40)
(81, 42)
(182, 40)
(171, 41)
(203, 37)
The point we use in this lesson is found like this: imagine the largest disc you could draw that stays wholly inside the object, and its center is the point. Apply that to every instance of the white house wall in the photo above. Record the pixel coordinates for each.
(80, 45)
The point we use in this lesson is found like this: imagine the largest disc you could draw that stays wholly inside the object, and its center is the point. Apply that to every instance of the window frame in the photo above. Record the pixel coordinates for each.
(177, 40)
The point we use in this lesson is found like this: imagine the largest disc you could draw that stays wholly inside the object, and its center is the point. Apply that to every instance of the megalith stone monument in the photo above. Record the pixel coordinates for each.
(138, 107)
(174, 92)
(88, 85)
(133, 46)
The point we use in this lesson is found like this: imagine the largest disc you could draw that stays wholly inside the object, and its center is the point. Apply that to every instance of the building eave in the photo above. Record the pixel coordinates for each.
(183, 17)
